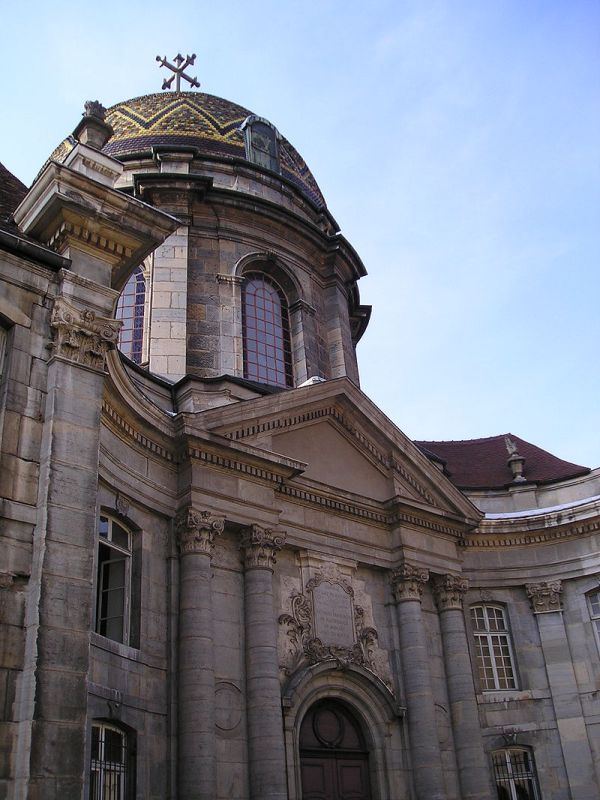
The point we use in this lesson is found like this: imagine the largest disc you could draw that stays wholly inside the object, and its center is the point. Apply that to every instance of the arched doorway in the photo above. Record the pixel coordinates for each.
(334, 760)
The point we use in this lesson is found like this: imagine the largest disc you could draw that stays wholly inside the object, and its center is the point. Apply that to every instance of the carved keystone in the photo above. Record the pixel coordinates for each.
(408, 582)
(260, 546)
(196, 531)
(544, 596)
(449, 591)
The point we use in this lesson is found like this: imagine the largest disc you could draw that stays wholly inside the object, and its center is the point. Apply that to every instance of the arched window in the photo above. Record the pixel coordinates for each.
(514, 773)
(493, 648)
(111, 769)
(267, 347)
(130, 310)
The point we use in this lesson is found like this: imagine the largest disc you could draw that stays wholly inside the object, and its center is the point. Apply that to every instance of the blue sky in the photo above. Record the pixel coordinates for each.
(457, 144)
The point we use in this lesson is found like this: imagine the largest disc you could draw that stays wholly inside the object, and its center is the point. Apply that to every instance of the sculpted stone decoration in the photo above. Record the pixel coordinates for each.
(196, 531)
(318, 618)
(408, 582)
(260, 546)
(544, 596)
(82, 336)
(449, 591)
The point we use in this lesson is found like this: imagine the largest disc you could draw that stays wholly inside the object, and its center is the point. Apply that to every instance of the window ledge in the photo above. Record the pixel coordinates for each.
(511, 695)
(120, 649)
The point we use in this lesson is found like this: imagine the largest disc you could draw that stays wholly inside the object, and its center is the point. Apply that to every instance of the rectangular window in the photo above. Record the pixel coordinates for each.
(113, 580)
(594, 606)
(493, 648)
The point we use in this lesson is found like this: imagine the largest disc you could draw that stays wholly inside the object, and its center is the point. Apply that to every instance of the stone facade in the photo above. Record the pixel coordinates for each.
(192, 562)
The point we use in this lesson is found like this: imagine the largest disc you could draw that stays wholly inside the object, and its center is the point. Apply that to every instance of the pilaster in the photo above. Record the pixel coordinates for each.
(545, 599)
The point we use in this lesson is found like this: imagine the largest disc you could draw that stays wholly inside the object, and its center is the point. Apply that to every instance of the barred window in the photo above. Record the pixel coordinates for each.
(113, 580)
(110, 768)
(514, 773)
(594, 606)
(130, 310)
(267, 346)
(493, 648)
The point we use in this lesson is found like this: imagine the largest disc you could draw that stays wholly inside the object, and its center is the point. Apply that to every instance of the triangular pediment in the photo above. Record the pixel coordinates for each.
(347, 444)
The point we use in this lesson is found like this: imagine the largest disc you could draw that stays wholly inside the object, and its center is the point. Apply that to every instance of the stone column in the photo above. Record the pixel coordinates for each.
(545, 601)
(51, 701)
(266, 747)
(428, 778)
(473, 770)
(196, 531)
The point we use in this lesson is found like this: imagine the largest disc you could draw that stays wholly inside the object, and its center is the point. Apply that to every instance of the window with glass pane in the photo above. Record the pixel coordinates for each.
(130, 310)
(493, 648)
(267, 348)
(594, 606)
(109, 763)
(514, 773)
(114, 562)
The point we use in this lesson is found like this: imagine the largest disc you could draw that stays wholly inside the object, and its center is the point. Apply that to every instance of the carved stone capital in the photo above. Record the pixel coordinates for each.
(260, 546)
(449, 591)
(81, 336)
(196, 531)
(544, 596)
(408, 582)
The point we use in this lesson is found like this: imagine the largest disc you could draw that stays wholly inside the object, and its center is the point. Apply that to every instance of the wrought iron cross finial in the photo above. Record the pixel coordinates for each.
(179, 71)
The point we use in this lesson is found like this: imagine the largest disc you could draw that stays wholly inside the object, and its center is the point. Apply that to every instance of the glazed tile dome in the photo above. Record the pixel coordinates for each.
(194, 119)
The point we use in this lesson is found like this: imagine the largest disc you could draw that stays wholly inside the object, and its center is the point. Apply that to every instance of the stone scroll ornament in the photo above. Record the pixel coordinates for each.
(82, 336)
(303, 645)
(196, 531)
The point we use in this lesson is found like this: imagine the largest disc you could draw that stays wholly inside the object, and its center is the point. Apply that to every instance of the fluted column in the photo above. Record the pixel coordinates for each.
(408, 583)
(545, 599)
(263, 693)
(473, 770)
(196, 531)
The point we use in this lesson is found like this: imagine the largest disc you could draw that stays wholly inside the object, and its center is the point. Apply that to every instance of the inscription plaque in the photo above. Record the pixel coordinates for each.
(333, 615)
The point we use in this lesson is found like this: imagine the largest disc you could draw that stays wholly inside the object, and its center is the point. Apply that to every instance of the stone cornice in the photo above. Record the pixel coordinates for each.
(123, 426)
(544, 596)
(82, 336)
(485, 536)
(196, 531)
(260, 546)
(449, 591)
(408, 582)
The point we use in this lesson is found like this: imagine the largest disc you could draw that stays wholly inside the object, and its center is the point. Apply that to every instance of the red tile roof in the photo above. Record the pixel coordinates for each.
(482, 463)
(12, 191)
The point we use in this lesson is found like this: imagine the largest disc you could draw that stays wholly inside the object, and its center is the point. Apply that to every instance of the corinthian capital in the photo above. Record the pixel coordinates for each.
(544, 596)
(81, 335)
(196, 531)
(408, 582)
(260, 546)
(449, 591)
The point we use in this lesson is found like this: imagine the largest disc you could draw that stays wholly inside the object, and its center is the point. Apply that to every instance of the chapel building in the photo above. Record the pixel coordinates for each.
(225, 574)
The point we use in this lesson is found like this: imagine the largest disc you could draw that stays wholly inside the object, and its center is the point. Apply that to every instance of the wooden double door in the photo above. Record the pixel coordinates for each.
(334, 760)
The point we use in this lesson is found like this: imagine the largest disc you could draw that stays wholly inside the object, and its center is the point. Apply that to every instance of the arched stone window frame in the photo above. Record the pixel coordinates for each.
(231, 299)
(262, 142)
(124, 772)
(509, 776)
(373, 705)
